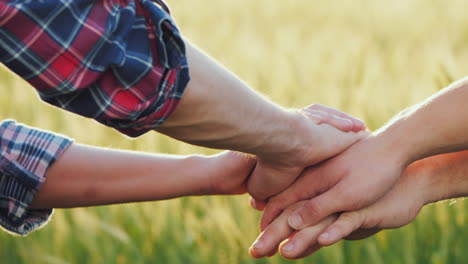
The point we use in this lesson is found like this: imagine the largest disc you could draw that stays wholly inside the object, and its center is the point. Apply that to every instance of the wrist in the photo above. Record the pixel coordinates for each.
(418, 176)
(226, 173)
(434, 126)
(444, 176)
(277, 136)
(201, 177)
(400, 139)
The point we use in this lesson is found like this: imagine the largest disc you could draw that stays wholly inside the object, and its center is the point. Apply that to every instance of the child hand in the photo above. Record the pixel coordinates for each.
(228, 172)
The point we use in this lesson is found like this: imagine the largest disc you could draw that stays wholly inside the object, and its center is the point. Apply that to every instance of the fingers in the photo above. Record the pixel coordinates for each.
(269, 214)
(356, 124)
(258, 205)
(320, 117)
(268, 241)
(304, 242)
(346, 224)
(316, 209)
(307, 252)
(310, 183)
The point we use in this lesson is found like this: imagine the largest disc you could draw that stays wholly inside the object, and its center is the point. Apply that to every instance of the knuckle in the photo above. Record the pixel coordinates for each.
(315, 106)
(345, 123)
(287, 199)
(258, 195)
(352, 200)
(349, 221)
(276, 203)
(272, 210)
(312, 211)
(289, 210)
(326, 117)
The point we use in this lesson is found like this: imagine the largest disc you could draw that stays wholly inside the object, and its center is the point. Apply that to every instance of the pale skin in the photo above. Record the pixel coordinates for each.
(428, 180)
(366, 171)
(91, 176)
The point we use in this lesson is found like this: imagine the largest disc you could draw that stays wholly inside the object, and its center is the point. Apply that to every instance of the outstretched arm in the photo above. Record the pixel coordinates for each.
(89, 176)
(136, 88)
(220, 111)
(425, 181)
(80, 175)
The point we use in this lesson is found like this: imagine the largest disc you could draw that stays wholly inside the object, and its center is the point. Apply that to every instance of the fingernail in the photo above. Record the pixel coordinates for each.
(252, 203)
(288, 247)
(325, 236)
(328, 237)
(295, 221)
(258, 244)
(361, 126)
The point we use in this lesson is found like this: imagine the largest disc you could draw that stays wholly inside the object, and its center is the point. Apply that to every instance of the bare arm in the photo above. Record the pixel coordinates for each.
(89, 176)
(437, 125)
(220, 111)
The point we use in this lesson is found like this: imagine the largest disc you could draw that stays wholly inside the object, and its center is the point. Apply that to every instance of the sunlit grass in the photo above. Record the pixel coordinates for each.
(368, 58)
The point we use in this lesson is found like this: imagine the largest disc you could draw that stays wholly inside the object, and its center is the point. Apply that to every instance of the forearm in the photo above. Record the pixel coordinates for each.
(89, 176)
(445, 176)
(220, 111)
(437, 125)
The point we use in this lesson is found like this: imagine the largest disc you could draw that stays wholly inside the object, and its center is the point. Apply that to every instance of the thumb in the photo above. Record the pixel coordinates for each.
(267, 180)
(258, 205)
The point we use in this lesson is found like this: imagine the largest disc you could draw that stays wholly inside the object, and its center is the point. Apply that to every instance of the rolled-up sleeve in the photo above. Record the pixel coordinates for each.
(120, 62)
(25, 155)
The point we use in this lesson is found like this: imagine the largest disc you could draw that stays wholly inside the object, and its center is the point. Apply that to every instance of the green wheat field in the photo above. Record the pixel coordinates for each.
(370, 58)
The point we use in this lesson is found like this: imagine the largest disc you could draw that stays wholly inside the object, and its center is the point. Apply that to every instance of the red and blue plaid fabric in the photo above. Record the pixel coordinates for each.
(25, 155)
(120, 62)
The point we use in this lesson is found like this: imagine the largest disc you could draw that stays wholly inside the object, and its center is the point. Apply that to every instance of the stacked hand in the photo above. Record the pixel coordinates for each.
(381, 181)
(324, 133)
(315, 164)
(422, 182)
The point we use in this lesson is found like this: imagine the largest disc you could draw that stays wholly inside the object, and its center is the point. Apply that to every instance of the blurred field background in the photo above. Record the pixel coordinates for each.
(368, 58)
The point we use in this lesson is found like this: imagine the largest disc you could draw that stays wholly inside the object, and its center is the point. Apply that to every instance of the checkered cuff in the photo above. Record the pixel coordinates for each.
(25, 155)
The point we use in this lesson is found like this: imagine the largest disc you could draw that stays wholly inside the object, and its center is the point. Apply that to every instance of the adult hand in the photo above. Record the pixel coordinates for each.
(324, 132)
(218, 110)
(367, 170)
(428, 180)
(350, 181)
(279, 233)
(397, 208)
(425, 181)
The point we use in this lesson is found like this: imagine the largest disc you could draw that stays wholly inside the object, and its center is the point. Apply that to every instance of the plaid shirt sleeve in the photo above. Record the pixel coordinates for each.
(25, 155)
(120, 62)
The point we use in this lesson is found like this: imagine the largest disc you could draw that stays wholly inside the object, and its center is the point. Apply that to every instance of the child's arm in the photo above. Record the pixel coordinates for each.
(89, 176)
(432, 179)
